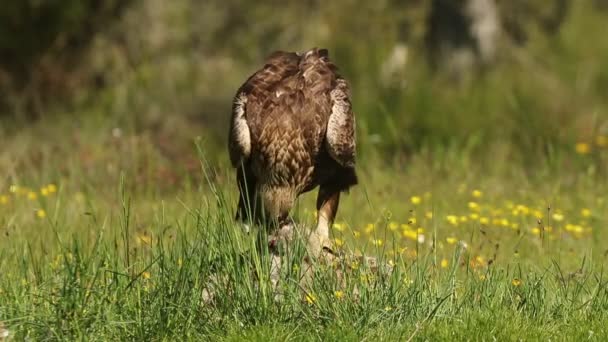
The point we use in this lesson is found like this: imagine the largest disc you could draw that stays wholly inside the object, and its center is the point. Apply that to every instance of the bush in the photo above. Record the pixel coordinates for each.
(41, 42)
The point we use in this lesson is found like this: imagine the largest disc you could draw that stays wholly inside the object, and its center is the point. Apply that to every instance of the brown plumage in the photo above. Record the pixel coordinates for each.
(292, 130)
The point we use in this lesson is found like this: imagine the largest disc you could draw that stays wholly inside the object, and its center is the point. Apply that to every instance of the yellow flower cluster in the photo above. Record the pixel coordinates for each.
(17, 192)
(586, 147)
(408, 237)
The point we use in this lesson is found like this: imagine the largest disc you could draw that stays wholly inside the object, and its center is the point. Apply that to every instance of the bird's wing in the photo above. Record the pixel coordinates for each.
(239, 137)
(340, 134)
(247, 107)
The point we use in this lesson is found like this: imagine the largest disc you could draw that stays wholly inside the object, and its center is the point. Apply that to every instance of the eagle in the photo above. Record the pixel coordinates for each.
(292, 130)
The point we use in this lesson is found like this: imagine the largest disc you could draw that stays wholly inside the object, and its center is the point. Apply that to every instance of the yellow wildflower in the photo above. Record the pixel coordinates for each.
(585, 212)
(338, 242)
(520, 208)
(40, 213)
(484, 220)
(538, 214)
(180, 262)
(473, 206)
(369, 228)
(536, 231)
(477, 193)
(575, 228)
(339, 294)
(558, 217)
(388, 308)
(377, 242)
(582, 148)
(452, 219)
(516, 282)
(51, 188)
(415, 200)
(444, 263)
(410, 234)
(146, 275)
(3, 199)
(44, 191)
(144, 238)
(310, 298)
(428, 215)
(339, 226)
(412, 220)
(474, 216)
(32, 195)
(601, 140)
(451, 240)
(393, 225)
(504, 222)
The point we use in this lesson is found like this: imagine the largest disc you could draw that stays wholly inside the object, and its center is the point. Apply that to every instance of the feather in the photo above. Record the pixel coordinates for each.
(240, 137)
(340, 135)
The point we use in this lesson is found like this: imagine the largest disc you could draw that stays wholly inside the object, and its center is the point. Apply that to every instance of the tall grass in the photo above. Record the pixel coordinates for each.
(131, 265)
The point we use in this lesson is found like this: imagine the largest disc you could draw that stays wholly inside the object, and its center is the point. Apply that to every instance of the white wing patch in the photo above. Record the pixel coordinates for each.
(240, 130)
(340, 135)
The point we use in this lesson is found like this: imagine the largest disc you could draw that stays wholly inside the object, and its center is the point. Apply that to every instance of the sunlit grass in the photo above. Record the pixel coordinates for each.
(457, 253)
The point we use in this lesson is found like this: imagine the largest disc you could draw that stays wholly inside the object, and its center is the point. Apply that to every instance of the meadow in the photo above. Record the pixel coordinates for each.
(101, 241)
(484, 199)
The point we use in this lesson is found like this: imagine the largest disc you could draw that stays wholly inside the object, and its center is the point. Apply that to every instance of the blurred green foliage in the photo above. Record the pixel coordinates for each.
(42, 40)
(172, 67)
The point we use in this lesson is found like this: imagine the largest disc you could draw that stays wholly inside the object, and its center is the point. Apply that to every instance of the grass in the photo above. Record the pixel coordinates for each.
(487, 198)
(99, 246)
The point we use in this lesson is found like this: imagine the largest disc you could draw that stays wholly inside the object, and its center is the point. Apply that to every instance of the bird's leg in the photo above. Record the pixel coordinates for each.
(327, 207)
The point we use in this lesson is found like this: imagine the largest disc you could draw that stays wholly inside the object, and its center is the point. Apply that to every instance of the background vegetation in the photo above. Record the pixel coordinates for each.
(483, 145)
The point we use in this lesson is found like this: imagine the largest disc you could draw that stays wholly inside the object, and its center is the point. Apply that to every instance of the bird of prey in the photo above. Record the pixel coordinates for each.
(293, 129)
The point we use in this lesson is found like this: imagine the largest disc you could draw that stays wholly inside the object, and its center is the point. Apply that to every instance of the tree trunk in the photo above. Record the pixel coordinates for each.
(462, 35)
